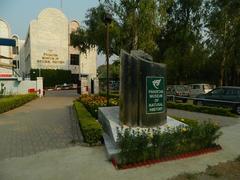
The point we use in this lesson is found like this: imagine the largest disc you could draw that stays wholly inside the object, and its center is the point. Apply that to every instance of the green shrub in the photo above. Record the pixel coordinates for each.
(202, 109)
(187, 121)
(133, 145)
(137, 145)
(91, 129)
(111, 95)
(11, 102)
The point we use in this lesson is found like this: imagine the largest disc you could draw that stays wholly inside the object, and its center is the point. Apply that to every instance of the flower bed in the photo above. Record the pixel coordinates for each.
(93, 102)
(11, 102)
(165, 159)
(138, 147)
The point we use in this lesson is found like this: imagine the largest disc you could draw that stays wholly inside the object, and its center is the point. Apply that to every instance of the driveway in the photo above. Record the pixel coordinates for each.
(90, 163)
(40, 125)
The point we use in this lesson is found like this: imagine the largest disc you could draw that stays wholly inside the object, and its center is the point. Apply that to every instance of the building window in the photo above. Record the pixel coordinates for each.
(16, 63)
(74, 59)
(15, 50)
(75, 78)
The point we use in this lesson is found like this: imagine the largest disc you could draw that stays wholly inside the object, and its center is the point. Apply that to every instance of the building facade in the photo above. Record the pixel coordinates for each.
(5, 51)
(16, 53)
(47, 46)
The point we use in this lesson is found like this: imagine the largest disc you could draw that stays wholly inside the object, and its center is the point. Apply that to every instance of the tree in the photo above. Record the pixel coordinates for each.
(179, 42)
(198, 40)
(135, 26)
(224, 36)
(138, 22)
(94, 33)
(80, 39)
(114, 70)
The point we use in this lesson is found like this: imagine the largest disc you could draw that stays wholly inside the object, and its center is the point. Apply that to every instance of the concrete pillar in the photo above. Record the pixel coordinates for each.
(39, 86)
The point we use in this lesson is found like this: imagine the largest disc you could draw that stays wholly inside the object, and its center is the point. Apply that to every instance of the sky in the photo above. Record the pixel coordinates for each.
(19, 13)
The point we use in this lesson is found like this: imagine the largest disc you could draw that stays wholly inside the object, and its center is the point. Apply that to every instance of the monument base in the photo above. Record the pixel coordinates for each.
(109, 119)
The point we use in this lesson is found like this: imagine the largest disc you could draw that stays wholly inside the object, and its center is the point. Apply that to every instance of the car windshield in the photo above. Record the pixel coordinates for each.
(207, 86)
(181, 88)
(195, 86)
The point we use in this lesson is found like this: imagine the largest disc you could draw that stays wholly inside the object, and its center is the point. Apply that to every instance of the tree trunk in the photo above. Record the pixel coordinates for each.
(135, 42)
(221, 80)
(135, 32)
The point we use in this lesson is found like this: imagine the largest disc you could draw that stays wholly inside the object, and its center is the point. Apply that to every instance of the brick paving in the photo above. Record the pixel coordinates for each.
(43, 124)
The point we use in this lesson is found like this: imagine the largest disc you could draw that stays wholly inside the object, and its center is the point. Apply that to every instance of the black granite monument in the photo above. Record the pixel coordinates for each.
(142, 90)
(142, 100)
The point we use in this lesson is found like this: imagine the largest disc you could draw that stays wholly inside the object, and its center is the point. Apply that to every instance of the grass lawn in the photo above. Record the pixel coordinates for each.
(10, 102)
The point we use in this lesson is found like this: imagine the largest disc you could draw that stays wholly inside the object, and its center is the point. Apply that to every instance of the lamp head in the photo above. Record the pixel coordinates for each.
(107, 18)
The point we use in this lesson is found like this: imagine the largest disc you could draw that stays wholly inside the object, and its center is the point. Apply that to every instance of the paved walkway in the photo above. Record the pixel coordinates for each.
(40, 125)
(90, 163)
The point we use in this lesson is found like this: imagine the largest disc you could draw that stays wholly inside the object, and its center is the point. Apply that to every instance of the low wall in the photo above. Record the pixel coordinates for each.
(13, 86)
(87, 83)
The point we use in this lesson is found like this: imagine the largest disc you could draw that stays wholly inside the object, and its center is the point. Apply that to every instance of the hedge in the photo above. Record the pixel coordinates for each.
(52, 77)
(139, 146)
(91, 129)
(11, 102)
(187, 121)
(201, 109)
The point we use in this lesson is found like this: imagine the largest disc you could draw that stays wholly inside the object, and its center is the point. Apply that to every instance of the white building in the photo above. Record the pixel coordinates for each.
(47, 46)
(16, 53)
(83, 64)
(5, 51)
(10, 82)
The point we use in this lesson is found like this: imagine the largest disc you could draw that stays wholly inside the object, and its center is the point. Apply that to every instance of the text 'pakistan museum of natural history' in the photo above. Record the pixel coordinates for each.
(47, 46)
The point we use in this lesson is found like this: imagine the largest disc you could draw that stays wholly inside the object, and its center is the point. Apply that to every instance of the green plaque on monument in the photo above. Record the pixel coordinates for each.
(155, 94)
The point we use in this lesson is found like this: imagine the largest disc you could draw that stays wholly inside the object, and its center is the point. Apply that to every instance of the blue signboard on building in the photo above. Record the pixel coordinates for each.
(7, 42)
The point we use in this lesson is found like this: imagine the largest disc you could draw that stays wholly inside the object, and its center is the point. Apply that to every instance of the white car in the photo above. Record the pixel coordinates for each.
(196, 89)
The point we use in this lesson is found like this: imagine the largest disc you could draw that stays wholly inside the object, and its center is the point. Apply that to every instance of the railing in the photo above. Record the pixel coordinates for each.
(173, 98)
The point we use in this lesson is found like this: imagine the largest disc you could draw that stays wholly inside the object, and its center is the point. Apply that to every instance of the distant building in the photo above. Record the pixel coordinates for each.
(16, 53)
(47, 46)
(5, 51)
(81, 64)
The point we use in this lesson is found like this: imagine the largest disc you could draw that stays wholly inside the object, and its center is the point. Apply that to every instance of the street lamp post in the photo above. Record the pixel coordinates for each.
(107, 21)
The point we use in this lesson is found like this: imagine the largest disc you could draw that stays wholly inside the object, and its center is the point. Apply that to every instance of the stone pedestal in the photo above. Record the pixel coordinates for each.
(109, 119)
(142, 100)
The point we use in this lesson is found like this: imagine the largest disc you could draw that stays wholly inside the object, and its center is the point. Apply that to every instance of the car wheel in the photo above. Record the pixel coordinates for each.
(238, 109)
